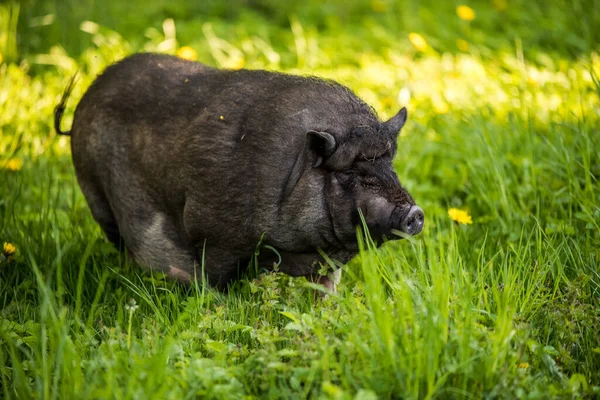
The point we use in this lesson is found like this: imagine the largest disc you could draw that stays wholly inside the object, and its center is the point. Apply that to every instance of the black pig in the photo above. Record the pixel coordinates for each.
(189, 165)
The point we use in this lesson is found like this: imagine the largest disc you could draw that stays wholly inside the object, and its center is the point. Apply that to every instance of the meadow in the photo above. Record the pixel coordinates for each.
(498, 297)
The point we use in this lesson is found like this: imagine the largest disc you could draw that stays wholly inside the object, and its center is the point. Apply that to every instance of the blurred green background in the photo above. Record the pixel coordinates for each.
(504, 124)
(560, 28)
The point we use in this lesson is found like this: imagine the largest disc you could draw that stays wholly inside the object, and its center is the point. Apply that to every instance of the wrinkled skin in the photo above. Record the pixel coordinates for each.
(188, 165)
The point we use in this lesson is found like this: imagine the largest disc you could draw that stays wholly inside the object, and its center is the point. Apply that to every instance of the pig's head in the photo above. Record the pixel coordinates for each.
(360, 179)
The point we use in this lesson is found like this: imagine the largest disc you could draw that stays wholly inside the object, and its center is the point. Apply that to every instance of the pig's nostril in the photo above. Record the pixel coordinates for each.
(420, 217)
(413, 222)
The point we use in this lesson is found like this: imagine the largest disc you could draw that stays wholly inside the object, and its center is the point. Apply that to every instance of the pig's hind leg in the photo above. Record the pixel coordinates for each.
(156, 244)
(157, 247)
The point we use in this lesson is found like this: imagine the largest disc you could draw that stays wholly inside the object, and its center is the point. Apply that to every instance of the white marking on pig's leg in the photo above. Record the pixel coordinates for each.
(155, 230)
(335, 277)
(155, 245)
(158, 251)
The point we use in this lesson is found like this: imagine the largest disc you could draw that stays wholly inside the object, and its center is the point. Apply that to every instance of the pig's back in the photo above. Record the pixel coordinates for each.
(226, 139)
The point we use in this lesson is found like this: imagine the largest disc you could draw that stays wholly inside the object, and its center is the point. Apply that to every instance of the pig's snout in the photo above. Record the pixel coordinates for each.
(384, 217)
(412, 223)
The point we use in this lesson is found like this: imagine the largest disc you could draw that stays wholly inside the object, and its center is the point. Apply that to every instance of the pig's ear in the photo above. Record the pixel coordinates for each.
(318, 146)
(322, 144)
(394, 124)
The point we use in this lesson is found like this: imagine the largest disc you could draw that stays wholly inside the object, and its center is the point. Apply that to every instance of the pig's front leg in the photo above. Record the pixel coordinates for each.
(221, 266)
(329, 281)
(216, 255)
(309, 265)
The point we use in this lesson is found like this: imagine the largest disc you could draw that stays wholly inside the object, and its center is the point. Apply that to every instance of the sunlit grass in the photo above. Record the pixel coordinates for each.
(504, 306)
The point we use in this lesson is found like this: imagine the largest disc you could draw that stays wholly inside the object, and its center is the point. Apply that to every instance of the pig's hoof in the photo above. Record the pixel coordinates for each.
(329, 281)
(179, 275)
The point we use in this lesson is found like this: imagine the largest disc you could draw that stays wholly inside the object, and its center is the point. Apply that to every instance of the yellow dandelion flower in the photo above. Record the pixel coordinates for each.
(465, 12)
(8, 249)
(460, 216)
(221, 118)
(418, 41)
(462, 45)
(523, 365)
(441, 107)
(187, 53)
(14, 164)
(387, 101)
(532, 81)
(236, 63)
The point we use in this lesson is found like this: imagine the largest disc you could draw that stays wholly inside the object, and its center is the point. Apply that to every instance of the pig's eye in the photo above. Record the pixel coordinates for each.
(368, 158)
(344, 178)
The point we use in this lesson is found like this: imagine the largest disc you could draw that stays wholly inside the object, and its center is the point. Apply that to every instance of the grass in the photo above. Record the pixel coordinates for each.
(506, 128)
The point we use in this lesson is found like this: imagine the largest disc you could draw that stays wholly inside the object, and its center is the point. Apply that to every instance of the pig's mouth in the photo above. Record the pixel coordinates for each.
(403, 222)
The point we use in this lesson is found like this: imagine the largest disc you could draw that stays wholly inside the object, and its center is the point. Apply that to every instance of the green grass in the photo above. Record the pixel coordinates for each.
(508, 129)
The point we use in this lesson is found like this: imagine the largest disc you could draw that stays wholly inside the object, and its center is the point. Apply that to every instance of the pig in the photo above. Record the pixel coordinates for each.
(191, 167)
